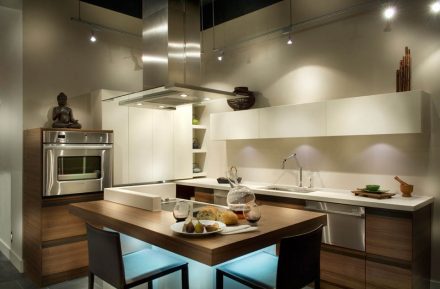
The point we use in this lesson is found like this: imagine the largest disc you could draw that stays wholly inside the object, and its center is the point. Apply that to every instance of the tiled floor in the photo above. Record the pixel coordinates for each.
(10, 278)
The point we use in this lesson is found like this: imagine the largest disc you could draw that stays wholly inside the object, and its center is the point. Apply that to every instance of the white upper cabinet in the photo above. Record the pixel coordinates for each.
(140, 145)
(183, 142)
(306, 120)
(149, 145)
(235, 125)
(392, 113)
(163, 144)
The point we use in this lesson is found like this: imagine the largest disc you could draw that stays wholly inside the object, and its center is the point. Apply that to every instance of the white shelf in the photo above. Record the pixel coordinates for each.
(199, 126)
(199, 175)
(199, 151)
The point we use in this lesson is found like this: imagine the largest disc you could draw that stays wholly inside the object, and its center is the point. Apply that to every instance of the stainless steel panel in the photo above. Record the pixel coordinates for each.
(77, 137)
(345, 224)
(53, 187)
(171, 42)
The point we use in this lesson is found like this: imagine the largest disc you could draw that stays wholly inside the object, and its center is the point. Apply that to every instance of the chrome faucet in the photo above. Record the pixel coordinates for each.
(298, 165)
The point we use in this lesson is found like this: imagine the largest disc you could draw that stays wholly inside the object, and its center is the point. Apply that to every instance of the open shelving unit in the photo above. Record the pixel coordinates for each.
(199, 134)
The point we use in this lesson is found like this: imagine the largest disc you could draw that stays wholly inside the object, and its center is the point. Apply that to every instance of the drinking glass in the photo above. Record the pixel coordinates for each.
(181, 211)
(252, 213)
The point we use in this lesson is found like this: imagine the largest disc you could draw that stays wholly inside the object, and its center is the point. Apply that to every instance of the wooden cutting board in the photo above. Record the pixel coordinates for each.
(373, 195)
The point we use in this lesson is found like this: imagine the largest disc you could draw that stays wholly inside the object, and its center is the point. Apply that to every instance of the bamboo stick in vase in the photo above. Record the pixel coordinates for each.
(402, 78)
(409, 69)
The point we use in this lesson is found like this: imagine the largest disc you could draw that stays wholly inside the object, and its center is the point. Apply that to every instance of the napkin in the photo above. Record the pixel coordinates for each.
(238, 229)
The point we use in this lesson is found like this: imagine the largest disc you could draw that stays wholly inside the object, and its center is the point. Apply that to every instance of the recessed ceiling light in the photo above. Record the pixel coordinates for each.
(139, 103)
(161, 106)
(435, 7)
(206, 99)
(389, 12)
(183, 95)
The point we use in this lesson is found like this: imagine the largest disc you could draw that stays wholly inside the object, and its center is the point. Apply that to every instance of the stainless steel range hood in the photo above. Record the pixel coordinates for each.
(171, 56)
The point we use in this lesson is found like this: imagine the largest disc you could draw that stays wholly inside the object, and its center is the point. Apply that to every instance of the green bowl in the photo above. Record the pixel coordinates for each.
(372, 188)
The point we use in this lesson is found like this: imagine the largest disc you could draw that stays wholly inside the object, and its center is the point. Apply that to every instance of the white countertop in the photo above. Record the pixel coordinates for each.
(397, 202)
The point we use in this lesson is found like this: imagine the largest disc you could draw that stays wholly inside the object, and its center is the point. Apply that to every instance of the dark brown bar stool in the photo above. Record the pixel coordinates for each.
(296, 267)
(126, 271)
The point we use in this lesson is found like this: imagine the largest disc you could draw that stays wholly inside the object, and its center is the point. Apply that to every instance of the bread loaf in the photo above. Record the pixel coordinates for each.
(207, 213)
(229, 218)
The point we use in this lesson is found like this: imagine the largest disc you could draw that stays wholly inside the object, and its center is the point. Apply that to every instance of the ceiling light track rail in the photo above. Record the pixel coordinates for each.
(99, 27)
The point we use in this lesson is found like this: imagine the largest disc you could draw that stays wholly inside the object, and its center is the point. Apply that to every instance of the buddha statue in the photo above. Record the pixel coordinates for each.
(62, 115)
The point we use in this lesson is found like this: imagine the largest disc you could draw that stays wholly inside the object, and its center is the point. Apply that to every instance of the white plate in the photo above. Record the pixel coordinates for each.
(177, 227)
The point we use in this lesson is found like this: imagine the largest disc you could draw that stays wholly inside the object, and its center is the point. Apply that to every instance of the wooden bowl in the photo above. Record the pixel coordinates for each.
(406, 190)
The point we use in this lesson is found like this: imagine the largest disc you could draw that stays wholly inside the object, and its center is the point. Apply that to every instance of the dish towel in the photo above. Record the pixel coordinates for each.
(238, 229)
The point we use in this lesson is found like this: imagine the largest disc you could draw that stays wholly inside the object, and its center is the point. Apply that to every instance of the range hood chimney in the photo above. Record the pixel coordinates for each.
(171, 56)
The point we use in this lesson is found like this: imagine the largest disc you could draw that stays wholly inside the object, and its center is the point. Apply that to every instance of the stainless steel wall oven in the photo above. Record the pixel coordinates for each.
(76, 162)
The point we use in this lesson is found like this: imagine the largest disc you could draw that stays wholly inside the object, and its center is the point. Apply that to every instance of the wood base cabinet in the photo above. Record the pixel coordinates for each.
(54, 241)
(398, 251)
(342, 267)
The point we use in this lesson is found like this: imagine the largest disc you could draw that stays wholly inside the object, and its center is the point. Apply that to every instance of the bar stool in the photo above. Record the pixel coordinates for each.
(126, 271)
(297, 266)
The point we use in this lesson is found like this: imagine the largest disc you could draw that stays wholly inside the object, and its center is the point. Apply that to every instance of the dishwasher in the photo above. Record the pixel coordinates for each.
(345, 224)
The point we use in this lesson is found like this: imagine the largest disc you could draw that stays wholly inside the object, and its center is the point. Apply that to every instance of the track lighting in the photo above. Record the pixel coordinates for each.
(435, 7)
(220, 55)
(289, 41)
(389, 12)
(92, 37)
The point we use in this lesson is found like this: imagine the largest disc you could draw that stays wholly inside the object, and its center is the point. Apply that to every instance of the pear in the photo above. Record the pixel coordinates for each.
(199, 228)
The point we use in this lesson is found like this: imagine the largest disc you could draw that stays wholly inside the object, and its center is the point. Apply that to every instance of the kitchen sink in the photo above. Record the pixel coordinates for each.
(287, 189)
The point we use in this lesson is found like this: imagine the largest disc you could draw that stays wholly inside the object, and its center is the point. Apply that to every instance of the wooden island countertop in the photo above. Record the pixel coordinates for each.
(154, 228)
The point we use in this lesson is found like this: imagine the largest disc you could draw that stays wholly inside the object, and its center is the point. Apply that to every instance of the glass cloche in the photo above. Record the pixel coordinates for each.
(238, 198)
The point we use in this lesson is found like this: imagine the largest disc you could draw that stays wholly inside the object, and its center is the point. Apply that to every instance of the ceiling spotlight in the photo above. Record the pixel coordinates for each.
(435, 7)
(289, 41)
(220, 55)
(389, 12)
(92, 37)
(161, 106)
(183, 95)
(139, 103)
(206, 99)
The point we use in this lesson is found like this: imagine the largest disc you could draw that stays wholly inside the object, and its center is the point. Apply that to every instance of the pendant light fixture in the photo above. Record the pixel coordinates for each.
(289, 41)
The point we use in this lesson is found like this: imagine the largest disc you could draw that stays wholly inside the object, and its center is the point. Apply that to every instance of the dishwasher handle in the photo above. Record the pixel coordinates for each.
(360, 213)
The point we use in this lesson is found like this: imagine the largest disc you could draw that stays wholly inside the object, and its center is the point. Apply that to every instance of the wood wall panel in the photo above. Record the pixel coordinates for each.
(58, 223)
(204, 196)
(389, 236)
(32, 199)
(338, 267)
(383, 276)
(66, 257)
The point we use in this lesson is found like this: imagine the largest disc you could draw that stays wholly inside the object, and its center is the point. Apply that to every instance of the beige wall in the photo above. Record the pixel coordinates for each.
(11, 126)
(58, 56)
(345, 58)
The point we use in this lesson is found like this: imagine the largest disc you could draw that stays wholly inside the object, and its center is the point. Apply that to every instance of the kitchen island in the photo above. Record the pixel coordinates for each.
(154, 228)
(394, 234)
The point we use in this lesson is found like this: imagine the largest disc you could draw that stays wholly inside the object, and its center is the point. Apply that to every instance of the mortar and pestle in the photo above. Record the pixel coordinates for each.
(405, 188)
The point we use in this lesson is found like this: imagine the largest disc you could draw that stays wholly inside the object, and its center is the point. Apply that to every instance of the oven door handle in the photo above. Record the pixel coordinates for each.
(360, 214)
(81, 146)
